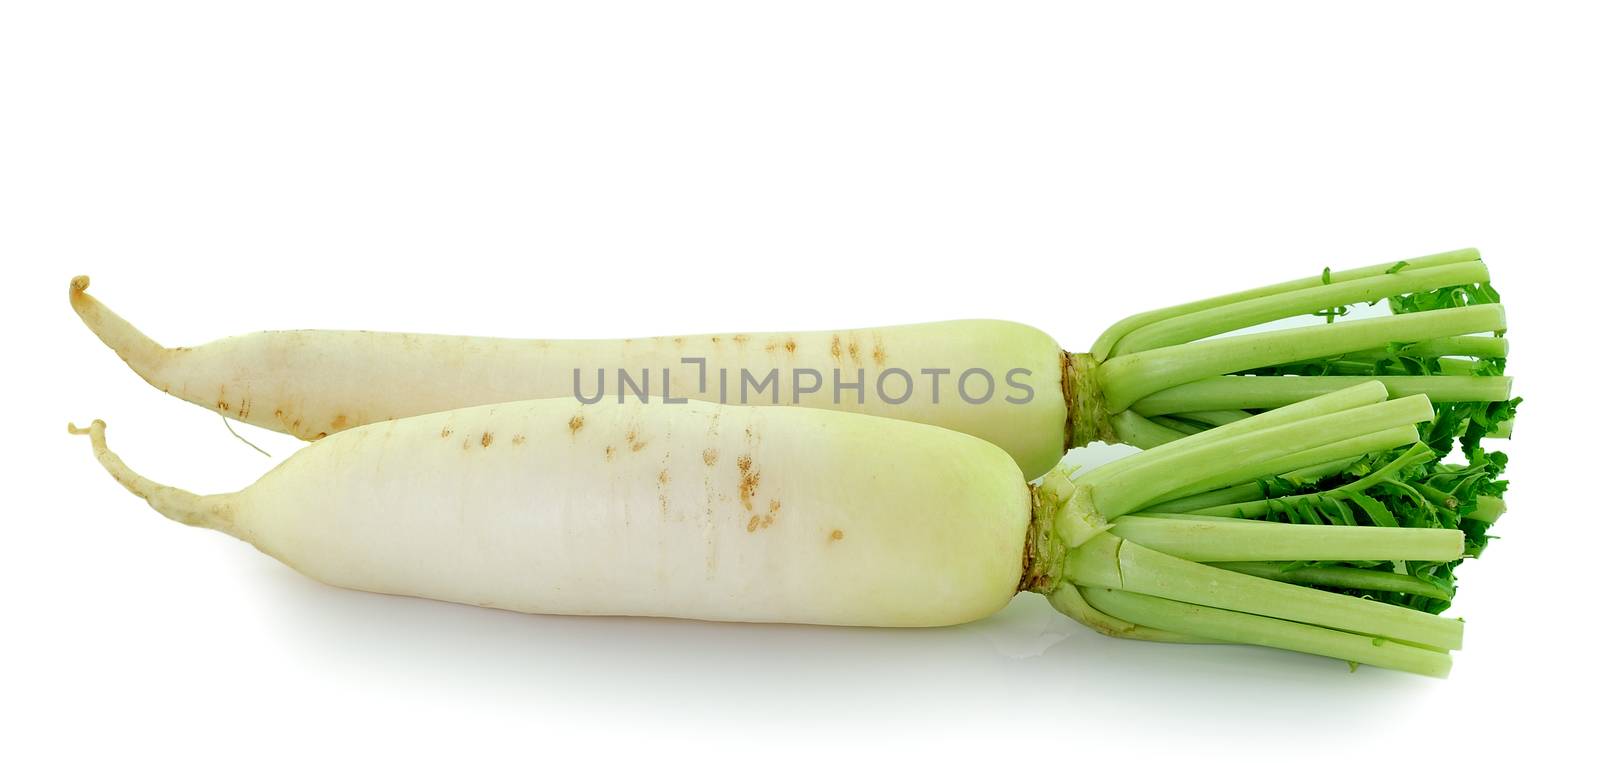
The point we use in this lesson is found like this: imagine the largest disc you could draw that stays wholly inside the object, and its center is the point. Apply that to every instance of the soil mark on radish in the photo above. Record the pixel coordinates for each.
(749, 482)
(758, 522)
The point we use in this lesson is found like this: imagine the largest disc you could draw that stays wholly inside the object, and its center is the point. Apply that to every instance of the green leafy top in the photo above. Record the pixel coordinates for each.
(1173, 372)
(1416, 486)
(1405, 487)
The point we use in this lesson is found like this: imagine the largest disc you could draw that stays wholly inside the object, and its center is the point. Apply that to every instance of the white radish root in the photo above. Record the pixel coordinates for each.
(312, 384)
(693, 511)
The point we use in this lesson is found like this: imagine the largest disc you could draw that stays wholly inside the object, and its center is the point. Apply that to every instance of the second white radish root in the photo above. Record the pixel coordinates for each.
(801, 515)
(696, 511)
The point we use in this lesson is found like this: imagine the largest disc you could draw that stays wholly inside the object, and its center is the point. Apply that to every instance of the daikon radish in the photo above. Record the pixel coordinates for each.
(1150, 379)
(792, 514)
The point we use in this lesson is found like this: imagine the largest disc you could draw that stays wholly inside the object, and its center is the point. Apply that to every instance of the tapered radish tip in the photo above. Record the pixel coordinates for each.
(80, 283)
(75, 429)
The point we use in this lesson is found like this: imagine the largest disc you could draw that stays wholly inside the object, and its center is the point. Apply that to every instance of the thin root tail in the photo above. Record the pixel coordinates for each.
(214, 511)
(96, 430)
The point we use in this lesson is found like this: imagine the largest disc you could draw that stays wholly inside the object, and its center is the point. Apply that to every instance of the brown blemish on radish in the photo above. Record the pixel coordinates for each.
(519, 439)
(771, 347)
(574, 424)
(444, 433)
(749, 482)
(836, 535)
(610, 452)
(740, 339)
(662, 478)
(635, 442)
(759, 521)
(338, 421)
(879, 355)
(789, 345)
(710, 456)
(855, 351)
(224, 513)
(833, 348)
(487, 439)
(222, 405)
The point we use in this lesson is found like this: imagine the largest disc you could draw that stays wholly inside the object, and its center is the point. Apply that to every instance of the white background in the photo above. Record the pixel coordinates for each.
(606, 169)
